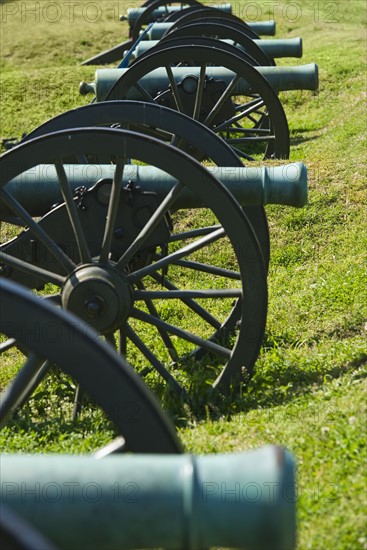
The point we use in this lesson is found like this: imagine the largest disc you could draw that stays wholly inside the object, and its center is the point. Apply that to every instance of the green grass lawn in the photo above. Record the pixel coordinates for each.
(309, 389)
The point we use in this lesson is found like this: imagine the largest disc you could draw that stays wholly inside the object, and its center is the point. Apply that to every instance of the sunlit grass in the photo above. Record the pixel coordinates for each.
(308, 391)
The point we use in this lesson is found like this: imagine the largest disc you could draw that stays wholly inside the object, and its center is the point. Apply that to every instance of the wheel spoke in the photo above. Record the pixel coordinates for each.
(183, 294)
(78, 402)
(221, 100)
(122, 341)
(113, 207)
(71, 208)
(251, 107)
(211, 269)
(194, 233)
(36, 229)
(184, 334)
(154, 361)
(153, 311)
(144, 93)
(255, 131)
(257, 139)
(7, 345)
(253, 119)
(82, 159)
(185, 251)
(118, 445)
(161, 211)
(110, 338)
(194, 306)
(242, 154)
(54, 298)
(43, 274)
(29, 376)
(175, 92)
(199, 92)
(254, 101)
(176, 141)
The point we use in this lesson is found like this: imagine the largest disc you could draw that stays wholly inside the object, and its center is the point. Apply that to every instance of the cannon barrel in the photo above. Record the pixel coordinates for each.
(287, 47)
(264, 28)
(133, 14)
(242, 500)
(303, 77)
(38, 189)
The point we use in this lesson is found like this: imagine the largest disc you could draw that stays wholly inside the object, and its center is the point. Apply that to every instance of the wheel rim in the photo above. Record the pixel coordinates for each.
(220, 203)
(176, 124)
(150, 7)
(208, 14)
(221, 31)
(80, 353)
(173, 41)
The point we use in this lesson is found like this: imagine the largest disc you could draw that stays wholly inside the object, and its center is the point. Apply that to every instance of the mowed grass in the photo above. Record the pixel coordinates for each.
(309, 389)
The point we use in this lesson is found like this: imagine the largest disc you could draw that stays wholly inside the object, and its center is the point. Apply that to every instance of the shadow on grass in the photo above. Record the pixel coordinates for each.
(298, 136)
(276, 385)
(268, 387)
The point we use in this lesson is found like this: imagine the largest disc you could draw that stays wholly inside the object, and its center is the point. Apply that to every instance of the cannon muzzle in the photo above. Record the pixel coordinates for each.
(38, 189)
(264, 28)
(243, 500)
(303, 77)
(288, 47)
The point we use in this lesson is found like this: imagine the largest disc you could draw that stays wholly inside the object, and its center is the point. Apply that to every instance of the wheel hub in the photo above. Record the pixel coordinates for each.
(102, 296)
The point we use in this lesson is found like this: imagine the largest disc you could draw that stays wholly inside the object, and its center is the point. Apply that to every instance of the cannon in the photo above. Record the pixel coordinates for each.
(235, 99)
(101, 268)
(133, 14)
(38, 188)
(172, 127)
(261, 52)
(134, 241)
(143, 16)
(256, 52)
(158, 30)
(280, 78)
(243, 500)
(123, 276)
(288, 47)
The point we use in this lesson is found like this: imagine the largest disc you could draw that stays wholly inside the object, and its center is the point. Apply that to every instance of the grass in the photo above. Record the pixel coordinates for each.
(309, 389)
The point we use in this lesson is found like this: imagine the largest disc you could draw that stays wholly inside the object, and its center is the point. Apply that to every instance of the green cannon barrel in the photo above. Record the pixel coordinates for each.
(38, 189)
(303, 77)
(287, 47)
(243, 500)
(264, 28)
(133, 14)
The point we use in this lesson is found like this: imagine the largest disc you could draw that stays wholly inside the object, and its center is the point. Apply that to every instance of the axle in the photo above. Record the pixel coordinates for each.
(288, 47)
(243, 500)
(38, 189)
(304, 77)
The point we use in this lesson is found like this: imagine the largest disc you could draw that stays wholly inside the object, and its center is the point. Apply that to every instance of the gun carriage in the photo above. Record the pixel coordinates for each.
(136, 216)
